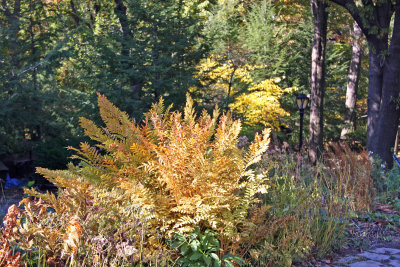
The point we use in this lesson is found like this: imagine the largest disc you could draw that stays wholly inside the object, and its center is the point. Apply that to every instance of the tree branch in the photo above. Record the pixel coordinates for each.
(354, 11)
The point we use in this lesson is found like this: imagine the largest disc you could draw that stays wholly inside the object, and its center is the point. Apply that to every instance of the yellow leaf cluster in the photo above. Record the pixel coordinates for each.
(220, 73)
(259, 105)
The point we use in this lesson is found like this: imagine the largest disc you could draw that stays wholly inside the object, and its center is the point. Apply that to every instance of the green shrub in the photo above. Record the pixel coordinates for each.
(197, 249)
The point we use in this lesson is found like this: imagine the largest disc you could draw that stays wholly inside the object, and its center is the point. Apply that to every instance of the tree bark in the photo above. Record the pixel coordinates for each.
(384, 72)
(375, 76)
(389, 111)
(74, 14)
(352, 84)
(120, 11)
(317, 79)
(396, 144)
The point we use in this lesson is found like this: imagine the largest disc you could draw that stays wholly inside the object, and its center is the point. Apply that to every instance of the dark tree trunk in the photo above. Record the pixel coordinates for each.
(120, 11)
(389, 111)
(352, 84)
(384, 72)
(375, 75)
(317, 78)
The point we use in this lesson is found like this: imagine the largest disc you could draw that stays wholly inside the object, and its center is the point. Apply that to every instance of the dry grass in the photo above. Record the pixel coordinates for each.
(351, 173)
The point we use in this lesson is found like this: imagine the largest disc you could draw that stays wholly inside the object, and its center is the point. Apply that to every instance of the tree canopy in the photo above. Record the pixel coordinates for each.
(55, 55)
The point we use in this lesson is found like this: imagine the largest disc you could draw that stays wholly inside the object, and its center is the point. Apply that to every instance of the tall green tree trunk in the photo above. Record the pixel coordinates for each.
(317, 78)
(352, 83)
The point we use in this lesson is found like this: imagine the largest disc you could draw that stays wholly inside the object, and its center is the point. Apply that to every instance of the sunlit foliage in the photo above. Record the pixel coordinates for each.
(257, 103)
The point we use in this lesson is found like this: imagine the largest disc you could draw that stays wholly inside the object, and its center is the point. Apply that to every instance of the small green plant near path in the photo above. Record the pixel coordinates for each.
(199, 249)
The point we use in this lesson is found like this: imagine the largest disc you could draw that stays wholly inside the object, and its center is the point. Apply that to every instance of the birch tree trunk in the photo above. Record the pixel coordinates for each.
(352, 83)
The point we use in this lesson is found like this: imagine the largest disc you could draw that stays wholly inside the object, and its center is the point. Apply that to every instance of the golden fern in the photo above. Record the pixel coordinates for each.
(186, 168)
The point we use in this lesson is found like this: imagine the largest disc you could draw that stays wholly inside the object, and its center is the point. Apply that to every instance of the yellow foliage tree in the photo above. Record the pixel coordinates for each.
(220, 75)
(259, 105)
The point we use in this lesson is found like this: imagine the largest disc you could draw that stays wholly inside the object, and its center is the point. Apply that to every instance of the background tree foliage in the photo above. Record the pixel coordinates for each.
(54, 56)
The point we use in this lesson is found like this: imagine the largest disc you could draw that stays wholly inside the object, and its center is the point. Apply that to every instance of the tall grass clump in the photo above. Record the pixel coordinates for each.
(350, 172)
(309, 205)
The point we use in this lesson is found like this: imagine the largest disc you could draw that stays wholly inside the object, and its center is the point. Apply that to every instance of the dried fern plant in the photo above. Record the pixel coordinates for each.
(188, 170)
(140, 184)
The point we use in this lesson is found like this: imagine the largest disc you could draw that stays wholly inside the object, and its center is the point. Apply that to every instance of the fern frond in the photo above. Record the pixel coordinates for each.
(258, 147)
(189, 113)
(117, 122)
(51, 175)
(88, 154)
(92, 131)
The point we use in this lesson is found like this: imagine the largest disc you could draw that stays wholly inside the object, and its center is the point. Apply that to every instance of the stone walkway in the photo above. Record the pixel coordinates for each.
(370, 258)
(7, 198)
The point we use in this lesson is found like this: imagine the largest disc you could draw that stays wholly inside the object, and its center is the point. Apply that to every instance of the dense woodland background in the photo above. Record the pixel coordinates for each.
(251, 57)
(216, 178)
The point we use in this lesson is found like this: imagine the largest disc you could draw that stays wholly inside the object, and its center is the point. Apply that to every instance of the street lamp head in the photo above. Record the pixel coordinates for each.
(302, 101)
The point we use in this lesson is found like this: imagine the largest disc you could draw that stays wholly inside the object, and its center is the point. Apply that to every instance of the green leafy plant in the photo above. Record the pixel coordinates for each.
(389, 183)
(198, 249)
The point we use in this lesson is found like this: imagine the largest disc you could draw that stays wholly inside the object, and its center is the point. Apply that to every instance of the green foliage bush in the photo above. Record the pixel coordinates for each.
(387, 182)
(198, 249)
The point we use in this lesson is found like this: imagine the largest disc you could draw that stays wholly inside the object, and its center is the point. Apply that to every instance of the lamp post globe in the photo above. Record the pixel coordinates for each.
(302, 102)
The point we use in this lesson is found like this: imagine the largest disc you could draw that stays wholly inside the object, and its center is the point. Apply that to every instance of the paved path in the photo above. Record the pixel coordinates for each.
(374, 257)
